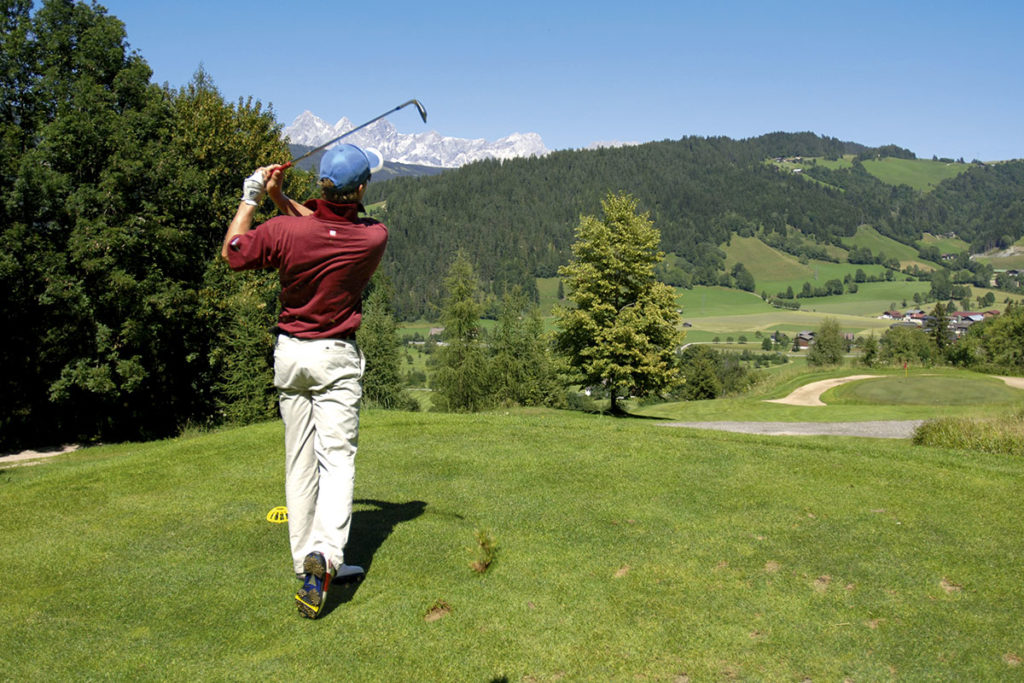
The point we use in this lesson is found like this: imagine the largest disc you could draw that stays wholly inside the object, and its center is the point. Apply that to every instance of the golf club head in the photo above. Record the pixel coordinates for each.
(420, 108)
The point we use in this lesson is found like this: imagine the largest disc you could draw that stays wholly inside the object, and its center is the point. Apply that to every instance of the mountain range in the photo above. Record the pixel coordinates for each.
(421, 149)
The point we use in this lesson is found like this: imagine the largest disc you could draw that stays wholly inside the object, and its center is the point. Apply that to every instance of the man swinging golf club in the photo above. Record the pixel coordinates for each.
(324, 254)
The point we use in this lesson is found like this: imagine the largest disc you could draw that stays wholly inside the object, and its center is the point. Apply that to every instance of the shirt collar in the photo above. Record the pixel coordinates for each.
(347, 211)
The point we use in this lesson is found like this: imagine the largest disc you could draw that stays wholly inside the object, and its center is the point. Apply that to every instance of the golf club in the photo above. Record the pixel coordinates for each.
(419, 107)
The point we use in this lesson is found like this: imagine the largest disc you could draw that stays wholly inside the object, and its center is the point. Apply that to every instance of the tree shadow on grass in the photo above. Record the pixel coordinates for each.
(370, 528)
(621, 413)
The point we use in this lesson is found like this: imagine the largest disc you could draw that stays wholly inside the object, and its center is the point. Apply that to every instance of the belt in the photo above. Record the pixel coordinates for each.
(351, 337)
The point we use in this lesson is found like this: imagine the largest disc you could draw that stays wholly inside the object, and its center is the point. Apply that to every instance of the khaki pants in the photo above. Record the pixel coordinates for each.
(318, 383)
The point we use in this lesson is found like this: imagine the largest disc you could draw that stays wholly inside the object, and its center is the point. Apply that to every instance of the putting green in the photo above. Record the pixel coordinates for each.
(924, 390)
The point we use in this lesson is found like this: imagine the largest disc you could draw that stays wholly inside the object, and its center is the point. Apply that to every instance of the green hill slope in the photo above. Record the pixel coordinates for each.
(923, 175)
(765, 263)
(868, 237)
(920, 174)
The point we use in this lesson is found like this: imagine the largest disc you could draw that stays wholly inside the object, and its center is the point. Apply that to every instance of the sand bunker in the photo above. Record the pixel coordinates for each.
(810, 394)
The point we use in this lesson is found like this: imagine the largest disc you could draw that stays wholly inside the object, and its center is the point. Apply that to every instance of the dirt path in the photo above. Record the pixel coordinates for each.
(34, 457)
(1015, 382)
(810, 394)
(875, 429)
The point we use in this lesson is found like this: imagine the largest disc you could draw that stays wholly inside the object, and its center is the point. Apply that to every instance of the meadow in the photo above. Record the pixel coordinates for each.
(625, 550)
(920, 174)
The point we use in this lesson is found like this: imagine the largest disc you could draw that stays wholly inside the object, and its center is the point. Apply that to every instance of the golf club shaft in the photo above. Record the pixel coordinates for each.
(419, 107)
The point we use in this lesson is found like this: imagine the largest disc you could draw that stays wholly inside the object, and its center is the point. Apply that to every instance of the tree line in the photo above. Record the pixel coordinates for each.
(115, 193)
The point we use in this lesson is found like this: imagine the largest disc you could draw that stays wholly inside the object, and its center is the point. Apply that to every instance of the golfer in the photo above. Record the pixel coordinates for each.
(324, 254)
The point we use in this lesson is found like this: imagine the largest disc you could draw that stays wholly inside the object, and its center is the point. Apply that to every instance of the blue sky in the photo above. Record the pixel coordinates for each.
(940, 78)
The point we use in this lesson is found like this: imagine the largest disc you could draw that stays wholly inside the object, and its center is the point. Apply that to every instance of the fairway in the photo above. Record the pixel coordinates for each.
(929, 390)
(624, 552)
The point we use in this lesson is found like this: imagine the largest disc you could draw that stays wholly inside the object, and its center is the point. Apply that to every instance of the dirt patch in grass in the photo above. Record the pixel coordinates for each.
(437, 611)
(950, 587)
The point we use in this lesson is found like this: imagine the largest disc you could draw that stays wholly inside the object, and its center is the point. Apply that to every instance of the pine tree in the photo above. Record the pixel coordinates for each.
(700, 369)
(940, 327)
(378, 340)
(460, 381)
(521, 369)
(623, 332)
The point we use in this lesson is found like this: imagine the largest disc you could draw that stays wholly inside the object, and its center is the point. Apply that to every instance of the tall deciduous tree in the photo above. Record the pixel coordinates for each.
(623, 332)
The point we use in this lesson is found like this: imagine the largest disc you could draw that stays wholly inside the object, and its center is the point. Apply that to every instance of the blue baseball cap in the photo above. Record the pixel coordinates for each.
(348, 166)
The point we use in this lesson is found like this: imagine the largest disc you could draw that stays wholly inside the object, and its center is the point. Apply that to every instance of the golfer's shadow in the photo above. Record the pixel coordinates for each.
(370, 528)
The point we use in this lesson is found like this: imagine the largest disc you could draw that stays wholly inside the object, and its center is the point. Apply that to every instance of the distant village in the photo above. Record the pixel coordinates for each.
(959, 321)
(958, 324)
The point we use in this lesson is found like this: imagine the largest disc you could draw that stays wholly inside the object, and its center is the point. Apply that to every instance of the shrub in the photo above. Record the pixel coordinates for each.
(992, 435)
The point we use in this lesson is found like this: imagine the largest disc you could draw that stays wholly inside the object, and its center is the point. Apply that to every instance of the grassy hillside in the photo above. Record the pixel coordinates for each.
(625, 551)
(774, 270)
(765, 263)
(867, 236)
(921, 174)
(719, 312)
(1006, 259)
(945, 245)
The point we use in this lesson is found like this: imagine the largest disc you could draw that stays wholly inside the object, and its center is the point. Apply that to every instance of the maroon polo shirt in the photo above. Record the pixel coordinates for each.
(324, 262)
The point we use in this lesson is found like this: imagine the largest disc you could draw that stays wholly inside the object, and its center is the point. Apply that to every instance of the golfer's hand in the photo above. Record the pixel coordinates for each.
(254, 188)
(275, 180)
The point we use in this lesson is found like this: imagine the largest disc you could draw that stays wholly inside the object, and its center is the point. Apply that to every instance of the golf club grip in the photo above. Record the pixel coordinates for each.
(282, 167)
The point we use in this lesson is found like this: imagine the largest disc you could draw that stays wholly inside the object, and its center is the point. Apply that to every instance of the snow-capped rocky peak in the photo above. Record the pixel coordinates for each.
(427, 149)
(309, 129)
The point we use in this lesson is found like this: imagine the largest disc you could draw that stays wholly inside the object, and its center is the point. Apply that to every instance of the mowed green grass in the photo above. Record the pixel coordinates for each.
(926, 390)
(626, 551)
(917, 393)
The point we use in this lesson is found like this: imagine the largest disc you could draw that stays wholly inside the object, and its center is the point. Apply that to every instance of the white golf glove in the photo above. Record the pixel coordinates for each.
(254, 189)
